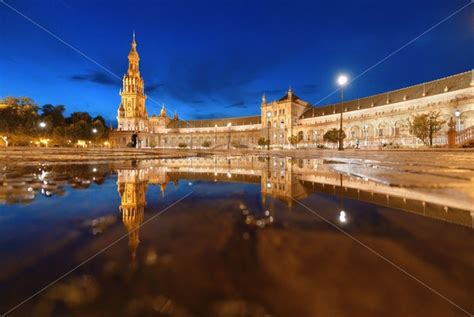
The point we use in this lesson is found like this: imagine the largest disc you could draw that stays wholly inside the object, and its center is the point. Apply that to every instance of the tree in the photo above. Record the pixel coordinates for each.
(333, 135)
(20, 116)
(101, 119)
(294, 140)
(262, 141)
(424, 126)
(79, 116)
(54, 115)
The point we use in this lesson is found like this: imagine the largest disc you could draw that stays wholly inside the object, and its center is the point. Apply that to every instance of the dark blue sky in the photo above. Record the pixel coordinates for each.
(216, 58)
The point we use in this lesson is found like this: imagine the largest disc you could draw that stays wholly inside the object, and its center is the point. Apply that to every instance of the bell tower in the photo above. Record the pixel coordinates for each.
(132, 114)
(132, 186)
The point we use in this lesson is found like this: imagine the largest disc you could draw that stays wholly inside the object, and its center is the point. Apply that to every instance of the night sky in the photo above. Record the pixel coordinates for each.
(208, 59)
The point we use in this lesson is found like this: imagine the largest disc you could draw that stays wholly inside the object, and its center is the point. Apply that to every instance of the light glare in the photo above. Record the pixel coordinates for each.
(342, 80)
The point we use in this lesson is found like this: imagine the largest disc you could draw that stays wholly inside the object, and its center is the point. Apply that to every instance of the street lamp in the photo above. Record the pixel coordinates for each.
(457, 114)
(269, 123)
(366, 134)
(342, 213)
(341, 81)
(215, 135)
(228, 137)
(42, 124)
(94, 130)
(342, 216)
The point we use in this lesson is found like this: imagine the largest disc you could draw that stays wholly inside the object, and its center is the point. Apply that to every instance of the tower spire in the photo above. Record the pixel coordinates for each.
(163, 111)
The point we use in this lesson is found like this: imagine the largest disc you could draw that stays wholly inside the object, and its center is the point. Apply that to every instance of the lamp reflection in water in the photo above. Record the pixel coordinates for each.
(342, 213)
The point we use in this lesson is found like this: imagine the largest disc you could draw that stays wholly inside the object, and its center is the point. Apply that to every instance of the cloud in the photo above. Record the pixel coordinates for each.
(97, 77)
(239, 104)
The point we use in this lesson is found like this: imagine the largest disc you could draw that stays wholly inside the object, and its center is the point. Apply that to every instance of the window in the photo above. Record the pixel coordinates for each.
(282, 124)
(396, 131)
(380, 131)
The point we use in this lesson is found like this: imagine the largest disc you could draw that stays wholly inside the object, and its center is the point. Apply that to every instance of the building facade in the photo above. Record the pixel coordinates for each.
(372, 121)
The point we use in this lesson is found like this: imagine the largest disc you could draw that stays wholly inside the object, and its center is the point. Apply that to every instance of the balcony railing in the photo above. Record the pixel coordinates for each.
(465, 136)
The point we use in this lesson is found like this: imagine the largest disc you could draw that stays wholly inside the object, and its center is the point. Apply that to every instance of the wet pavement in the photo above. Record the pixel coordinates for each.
(238, 236)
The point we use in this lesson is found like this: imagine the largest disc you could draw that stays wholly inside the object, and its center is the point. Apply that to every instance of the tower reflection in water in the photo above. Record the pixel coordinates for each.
(284, 179)
(132, 186)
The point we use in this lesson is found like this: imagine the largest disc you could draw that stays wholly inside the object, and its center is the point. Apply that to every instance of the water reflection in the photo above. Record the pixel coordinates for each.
(289, 179)
(240, 246)
(283, 178)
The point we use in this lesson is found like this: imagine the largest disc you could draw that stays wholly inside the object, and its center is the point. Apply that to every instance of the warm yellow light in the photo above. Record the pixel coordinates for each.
(81, 143)
(229, 124)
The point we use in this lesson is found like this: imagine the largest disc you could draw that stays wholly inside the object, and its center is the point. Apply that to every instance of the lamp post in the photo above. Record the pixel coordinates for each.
(341, 81)
(42, 126)
(366, 134)
(342, 213)
(457, 114)
(228, 136)
(215, 135)
(269, 123)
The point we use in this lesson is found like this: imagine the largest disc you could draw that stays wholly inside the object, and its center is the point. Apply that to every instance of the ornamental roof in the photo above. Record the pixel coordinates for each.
(211, 123)
(290, 96)
(431, 88)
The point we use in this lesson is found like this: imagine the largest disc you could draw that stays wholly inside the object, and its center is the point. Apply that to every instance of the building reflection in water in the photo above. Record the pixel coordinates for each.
(132, 185)
(284, 179)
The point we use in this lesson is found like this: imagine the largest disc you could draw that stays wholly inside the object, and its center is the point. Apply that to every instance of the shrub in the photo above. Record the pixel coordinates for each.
(262, 141)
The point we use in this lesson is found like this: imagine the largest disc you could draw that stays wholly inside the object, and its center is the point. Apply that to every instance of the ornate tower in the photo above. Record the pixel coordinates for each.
(132, 185)
(132, 114)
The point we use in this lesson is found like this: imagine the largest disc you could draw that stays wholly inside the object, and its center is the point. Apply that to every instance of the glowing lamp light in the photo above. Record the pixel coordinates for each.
(94, 130)
(457, 113)
(229, 124)
(342, 216)
(42, 124)
(342, 80)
